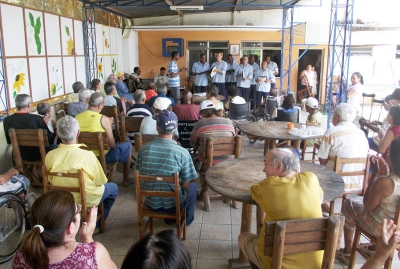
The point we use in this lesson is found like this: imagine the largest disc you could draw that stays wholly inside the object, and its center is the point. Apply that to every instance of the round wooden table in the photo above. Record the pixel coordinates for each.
(198, 99)
(271, 131)
(234, 178)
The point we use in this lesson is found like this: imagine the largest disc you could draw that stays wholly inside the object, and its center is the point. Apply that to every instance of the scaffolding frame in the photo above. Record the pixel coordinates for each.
(89, 42)
(3, 88)
(339, 48)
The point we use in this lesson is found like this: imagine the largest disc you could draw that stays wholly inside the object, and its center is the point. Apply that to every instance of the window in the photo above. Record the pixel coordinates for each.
(263, 49)
(209, 48)
(361, 51)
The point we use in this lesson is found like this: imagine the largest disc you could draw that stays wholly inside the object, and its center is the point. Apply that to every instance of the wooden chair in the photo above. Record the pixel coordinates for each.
(365, 172)
(145, 211)
(112, 112)
(141, 139)
(79, 189)
(65, 107)
(97, 141)
(215, 147)
(373, 240)
(131, 125)
(298, 236)
(29, 138)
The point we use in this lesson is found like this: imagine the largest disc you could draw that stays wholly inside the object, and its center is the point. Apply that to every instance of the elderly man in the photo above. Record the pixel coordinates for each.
(76, 87)
(111, 100)
(186, 111)
(199, 70)
(285, 194)
(263, 78)
(148, 125)
(151, 90)
(230, 79)
(161, 78)
(69, 158)
(139, 109)
(162, 92)
(345, 140)
(163, 157)
(219, 77)
(22, 119)
(78, 107)
(244, 75)
(92, 121)
(135, 78)
(273, 67)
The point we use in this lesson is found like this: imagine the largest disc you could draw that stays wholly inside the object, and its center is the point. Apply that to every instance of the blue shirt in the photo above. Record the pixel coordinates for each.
(264, 87)
(123, 90)
(273, 67)
(152, 99)
(256, 67)
(245, 72)
(163, 157)
(173, 81)
(218, 77)
(200, 80)
(231, 77)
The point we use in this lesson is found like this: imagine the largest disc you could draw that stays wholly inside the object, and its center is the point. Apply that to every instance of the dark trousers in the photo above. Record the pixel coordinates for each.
(109, 195)
(189, 204)
(228, 84)
(221, 89)
(258, 95)
(199, 89)
(244, 92)
(272, 85)
(253, 89)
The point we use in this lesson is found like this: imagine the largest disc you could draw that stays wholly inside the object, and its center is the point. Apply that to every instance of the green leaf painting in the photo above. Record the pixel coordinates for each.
(36, 27)
(67, 30)
(113, 66)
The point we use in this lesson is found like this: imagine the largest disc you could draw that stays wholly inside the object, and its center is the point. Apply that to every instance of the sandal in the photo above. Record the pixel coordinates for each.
(343, 257)
(127, 184)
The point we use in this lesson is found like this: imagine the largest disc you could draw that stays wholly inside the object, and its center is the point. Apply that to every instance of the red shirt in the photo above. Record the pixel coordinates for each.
(149, 94)
(187, 112)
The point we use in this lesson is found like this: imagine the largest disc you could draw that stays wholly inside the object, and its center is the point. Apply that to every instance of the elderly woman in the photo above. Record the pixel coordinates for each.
(95, 85)
(287, 108)
(51, 243)
(379, 202)
(211, 94)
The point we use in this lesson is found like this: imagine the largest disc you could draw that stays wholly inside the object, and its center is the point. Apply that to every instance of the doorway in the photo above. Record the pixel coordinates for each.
(313, 57)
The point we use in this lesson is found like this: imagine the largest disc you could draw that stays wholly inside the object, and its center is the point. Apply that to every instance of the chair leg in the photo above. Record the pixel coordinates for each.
(151, 225)
(356, 241)
(204, 193)
(235, 204)
(332, 208)
(207, 203)
(102, 221)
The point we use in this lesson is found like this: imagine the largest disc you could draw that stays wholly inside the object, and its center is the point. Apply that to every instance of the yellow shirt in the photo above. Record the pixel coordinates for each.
(70, 158)
(90, 121)
(298, 197)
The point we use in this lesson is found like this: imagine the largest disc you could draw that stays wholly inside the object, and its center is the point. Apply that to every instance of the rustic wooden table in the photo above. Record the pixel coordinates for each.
(234, 178)
(270, 131)
(198, 99)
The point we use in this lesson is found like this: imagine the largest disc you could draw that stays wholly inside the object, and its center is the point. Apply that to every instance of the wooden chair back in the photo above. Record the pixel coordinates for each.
(65, 107)
(144, 211)
(113, 112)
(28, 138)
(222, 146)
(79, 189)
(305, 235)
(130, 124)
(141, 139)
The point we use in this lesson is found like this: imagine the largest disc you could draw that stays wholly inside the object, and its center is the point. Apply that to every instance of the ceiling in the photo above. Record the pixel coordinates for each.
(155, 8)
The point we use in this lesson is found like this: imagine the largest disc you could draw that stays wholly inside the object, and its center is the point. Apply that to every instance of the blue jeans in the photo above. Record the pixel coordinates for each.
(120, 153)
(189, 204)
(108, 198)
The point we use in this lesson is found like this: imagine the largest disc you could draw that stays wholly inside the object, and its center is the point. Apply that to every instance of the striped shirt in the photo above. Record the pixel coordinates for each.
(139, 110)
(218, 77)
(245, 72)
(173, 81)
(346, 141)
(200, 79)
(163, 157)
(231, 77)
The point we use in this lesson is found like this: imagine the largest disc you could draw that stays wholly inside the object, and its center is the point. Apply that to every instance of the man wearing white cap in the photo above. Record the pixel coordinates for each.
(148, 125)
(312, 107)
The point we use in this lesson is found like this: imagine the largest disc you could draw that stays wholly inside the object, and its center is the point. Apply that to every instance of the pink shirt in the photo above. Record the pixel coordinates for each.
(186, 112)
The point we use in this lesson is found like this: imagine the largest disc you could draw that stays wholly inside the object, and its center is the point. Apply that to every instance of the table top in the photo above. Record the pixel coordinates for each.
(234, 178)
(272, 130)
(198, 99)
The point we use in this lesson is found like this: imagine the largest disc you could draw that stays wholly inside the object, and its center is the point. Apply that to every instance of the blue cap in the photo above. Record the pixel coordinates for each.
(167, 121)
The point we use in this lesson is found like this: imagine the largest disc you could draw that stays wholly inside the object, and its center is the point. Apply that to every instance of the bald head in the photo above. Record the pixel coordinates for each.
(186, 97)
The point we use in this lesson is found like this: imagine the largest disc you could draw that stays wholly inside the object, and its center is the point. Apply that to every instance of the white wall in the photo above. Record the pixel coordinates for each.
(130, 51)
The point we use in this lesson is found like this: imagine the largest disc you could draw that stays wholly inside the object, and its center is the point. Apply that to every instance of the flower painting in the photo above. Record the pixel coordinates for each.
(106, 41)
(55, 84)
(18, 78)
(70, 42)
(18, 83)
(100, 68)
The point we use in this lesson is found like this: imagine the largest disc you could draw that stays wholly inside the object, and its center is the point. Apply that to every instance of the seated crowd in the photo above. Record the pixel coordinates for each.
(55, 216)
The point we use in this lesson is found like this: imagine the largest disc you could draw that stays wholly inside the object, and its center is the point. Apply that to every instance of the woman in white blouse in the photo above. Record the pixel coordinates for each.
(355, 91)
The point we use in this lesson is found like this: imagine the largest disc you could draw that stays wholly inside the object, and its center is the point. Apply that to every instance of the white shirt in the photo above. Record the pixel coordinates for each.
(346, 141)
(161, 79)
(310, 77)
(273, 67)
(355, 100)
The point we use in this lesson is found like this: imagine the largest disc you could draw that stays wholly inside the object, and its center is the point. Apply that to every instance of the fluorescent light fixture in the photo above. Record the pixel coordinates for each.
(178, 8)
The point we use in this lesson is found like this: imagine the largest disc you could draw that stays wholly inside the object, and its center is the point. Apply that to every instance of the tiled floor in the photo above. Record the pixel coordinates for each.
(211, 239)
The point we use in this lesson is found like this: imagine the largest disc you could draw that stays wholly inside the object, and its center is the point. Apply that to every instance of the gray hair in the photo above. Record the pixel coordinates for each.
(161, 88)
(22, 100)
(67, 129)
(112, 78)
(84, 94)
(345, 112)
(43, 108)
(287, 157)
(139, 96)
(96, 99)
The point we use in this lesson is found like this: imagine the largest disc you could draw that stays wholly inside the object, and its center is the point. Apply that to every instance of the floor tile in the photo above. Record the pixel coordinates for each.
(128, 228)
(216, 231)
(193, 247)
(217, 217)
(209, 264)
(117, 244)
(215, 249)
(193, 231)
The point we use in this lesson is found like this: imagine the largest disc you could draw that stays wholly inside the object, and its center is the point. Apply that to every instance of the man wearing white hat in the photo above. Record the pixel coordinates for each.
(312, 107)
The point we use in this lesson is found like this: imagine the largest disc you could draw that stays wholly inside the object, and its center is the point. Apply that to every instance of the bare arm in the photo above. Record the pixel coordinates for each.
(185, 185)
(385, 142)
(376, 190)
(106, 123)
(323, 161)
(302, 74)
(6, 176)
(103, 258)
(351, 92)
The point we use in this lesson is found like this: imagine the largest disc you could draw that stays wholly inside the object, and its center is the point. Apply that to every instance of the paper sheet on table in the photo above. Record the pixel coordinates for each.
(310, 131)
(200, 94)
